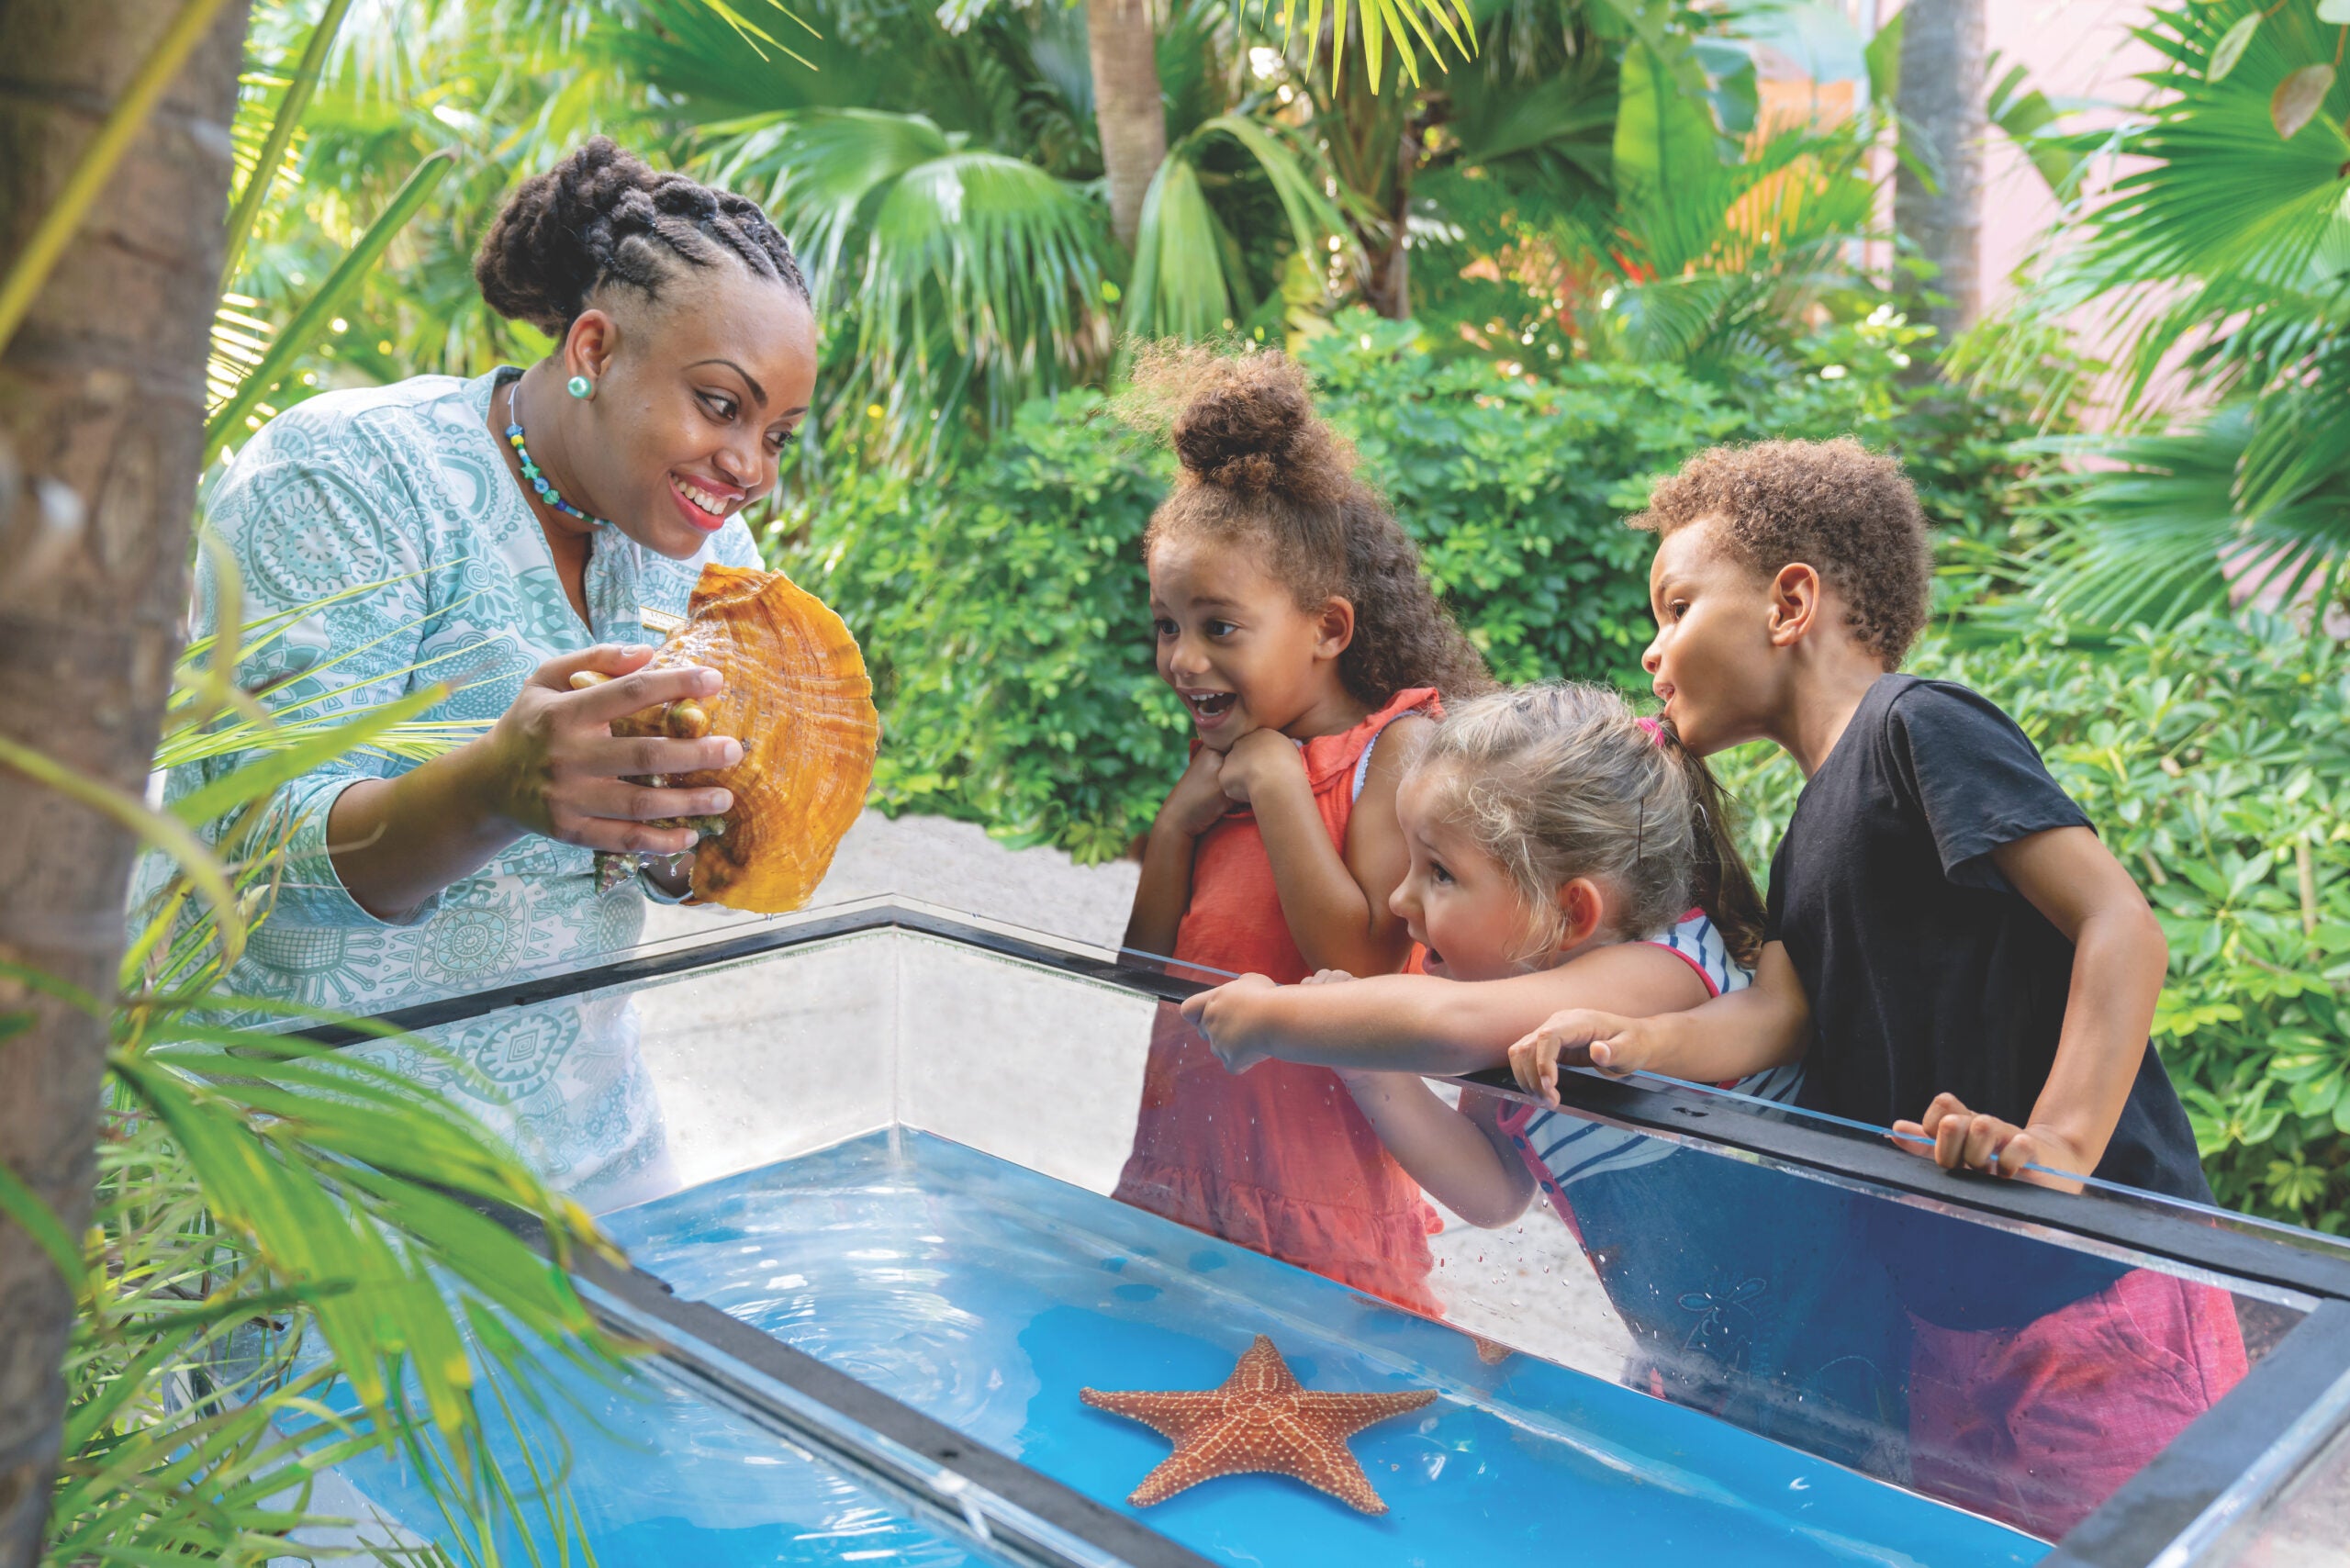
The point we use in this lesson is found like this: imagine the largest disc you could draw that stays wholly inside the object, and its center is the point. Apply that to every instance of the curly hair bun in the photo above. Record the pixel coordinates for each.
(603, 215)
(1249, 427)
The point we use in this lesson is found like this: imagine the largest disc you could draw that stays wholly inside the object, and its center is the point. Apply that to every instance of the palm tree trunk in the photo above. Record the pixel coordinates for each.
(1940, 98)
(1127, 106)
(1374, 139)
(102, 399)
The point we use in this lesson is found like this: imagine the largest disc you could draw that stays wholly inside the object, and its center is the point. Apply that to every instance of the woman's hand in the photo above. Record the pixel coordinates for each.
(1962, 1140)
(551, 765)
(1232, 1019)
(1257, 758)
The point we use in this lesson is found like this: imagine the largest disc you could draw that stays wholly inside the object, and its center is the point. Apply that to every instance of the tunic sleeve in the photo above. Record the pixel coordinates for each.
(302, 534)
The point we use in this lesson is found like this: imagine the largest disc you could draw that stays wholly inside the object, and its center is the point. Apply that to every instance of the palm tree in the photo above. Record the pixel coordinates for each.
(102, 400)
(2220, 251)
(1938, 194)
(1124, 46)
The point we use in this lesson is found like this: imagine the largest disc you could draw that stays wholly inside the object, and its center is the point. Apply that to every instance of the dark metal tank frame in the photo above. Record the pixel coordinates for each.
(1007, 1508)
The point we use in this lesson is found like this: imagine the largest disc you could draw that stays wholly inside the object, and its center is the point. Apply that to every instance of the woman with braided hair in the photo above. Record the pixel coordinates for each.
(501, 534)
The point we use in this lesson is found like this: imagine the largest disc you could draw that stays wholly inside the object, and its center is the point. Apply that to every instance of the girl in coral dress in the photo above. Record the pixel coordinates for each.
(1293, 621)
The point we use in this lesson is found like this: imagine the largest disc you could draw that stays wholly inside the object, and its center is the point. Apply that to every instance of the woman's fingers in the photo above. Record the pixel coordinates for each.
(618, 834)
(607, 659)
(621, 800)
(627, 694)
(639, 756)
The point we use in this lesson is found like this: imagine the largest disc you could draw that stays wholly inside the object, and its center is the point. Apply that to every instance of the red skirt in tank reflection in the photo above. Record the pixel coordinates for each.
(1278, 1159)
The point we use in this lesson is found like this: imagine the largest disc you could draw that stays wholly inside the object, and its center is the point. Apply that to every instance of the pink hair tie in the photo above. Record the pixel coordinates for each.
(1655, 730)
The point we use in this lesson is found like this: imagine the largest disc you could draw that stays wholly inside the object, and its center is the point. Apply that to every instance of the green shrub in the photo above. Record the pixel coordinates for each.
(2215, 760)
(1004, 614)
(1003, 605)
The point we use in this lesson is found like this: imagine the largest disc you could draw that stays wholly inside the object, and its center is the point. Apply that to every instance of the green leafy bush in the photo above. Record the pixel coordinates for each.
(2215, 760)
(1003, 604)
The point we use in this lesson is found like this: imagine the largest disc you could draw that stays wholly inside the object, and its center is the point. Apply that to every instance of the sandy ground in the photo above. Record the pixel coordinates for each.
(1065, 1063)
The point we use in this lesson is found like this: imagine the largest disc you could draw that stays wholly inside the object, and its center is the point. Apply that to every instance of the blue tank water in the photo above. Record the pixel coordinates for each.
(986, 1296)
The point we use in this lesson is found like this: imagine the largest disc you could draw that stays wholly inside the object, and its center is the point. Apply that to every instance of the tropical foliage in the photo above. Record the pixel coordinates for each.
(1004, 609)
(1526, 284)
(2224, 254)
(294, 1255)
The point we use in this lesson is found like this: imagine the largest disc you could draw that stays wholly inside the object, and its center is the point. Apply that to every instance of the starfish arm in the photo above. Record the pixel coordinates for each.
(1217, 1448)
(1261, 1371)
(1318, 1456)
(1349, 1412)
(1175, 1416)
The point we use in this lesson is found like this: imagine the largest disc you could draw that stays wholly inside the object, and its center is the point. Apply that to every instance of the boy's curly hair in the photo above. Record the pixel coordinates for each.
(1847, 512)
(1258, 468)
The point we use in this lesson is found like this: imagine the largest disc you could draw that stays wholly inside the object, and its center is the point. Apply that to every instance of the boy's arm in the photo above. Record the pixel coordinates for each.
(1426, 1023)
(1743, 1032)
(1454, 1154)
(2119, 959)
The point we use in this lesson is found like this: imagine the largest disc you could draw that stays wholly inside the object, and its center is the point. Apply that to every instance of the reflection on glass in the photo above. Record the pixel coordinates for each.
(953, 1176)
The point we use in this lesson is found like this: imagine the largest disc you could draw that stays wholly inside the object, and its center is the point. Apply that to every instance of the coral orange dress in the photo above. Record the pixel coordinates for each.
(1278, 1159)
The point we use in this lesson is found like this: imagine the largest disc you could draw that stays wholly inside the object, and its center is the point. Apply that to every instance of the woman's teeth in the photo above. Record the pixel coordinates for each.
(714, 505)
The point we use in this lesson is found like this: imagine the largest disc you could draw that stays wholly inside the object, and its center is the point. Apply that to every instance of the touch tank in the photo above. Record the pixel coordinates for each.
(882, 1263)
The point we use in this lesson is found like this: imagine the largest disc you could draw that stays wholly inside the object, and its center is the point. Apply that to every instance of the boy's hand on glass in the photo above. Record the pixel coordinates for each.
(1257, 757)
(1197, 798)
(1230, 1018)
(1580, 1037)
(1959, 1140)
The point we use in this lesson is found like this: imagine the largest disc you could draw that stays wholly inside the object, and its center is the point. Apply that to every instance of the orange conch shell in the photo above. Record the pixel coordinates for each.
(797, 698)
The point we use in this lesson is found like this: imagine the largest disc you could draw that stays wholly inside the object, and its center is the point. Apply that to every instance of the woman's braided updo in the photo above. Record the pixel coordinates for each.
(604, 216)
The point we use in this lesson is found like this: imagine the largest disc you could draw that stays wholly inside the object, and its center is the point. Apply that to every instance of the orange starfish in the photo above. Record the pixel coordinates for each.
(1261, 1421)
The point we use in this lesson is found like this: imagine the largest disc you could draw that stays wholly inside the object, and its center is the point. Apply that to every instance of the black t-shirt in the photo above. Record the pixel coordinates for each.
(1926, 971)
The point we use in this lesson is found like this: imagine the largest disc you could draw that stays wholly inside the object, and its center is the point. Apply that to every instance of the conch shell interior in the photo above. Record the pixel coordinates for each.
(797, 698)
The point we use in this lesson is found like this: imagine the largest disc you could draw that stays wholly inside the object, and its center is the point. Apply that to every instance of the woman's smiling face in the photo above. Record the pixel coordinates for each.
(697, 393)
(1459, 901)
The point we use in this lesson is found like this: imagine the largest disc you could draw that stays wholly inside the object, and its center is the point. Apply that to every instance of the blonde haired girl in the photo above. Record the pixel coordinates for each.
(1564, 849)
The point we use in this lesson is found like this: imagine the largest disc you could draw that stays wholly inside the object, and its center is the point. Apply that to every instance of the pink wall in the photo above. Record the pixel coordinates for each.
(2073, 48)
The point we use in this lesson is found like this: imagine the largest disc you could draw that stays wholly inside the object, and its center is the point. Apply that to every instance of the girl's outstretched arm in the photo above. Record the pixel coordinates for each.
(1336, 904)
(1426, 1024)
(1458, 1155)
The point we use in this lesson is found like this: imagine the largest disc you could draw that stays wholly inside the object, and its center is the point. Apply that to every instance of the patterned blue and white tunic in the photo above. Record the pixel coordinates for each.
(404, 489)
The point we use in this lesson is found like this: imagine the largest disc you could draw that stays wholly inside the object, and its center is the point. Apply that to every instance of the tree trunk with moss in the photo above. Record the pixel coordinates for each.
(1940, 98)
(102, 402)
(1376, 144)
(1128, 107)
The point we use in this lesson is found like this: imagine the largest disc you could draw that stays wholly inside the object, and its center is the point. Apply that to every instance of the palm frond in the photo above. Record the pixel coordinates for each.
(1189, 280)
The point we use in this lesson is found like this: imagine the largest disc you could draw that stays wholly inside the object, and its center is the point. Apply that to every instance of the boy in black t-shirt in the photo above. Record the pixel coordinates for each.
(1947, 939)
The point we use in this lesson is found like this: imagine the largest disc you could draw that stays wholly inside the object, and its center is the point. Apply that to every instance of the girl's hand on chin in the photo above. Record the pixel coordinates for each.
(1325, 976)
(1257, 758)
(1197, 798)
(1230, 1019)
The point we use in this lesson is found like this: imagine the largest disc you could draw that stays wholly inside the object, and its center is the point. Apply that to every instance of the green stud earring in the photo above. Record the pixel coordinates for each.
(580, 387)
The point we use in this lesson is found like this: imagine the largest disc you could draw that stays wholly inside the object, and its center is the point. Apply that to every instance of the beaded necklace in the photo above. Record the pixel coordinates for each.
(547, 492)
